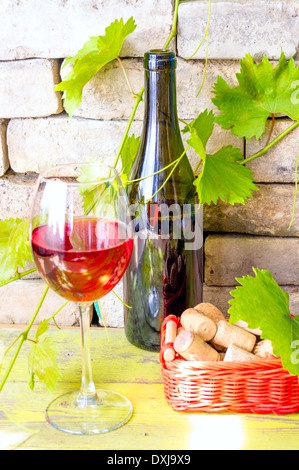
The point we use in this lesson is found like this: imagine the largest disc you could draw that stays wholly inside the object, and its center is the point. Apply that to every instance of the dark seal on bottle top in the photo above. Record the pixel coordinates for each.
(159, 59)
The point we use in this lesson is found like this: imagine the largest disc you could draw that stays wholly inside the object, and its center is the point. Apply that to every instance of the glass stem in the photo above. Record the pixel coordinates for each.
(87, 396)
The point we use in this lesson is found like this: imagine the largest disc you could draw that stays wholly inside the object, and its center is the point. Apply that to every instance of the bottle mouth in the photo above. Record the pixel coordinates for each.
(159, 59)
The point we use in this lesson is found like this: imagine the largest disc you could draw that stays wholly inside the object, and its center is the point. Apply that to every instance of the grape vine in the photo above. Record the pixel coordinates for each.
(264, 91)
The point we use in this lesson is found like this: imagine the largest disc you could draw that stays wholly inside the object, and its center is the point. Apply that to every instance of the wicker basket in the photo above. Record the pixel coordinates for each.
(261, 386)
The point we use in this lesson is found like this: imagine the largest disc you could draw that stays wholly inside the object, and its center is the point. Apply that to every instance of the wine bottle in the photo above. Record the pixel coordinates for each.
(165, 274)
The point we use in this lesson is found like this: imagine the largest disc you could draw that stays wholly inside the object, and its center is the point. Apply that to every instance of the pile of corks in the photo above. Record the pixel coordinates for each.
(206, 335)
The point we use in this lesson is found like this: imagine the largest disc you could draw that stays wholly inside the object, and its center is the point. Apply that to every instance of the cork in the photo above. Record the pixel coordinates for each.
(199, 324)
(210, 311)
(264, 349)
(192, 348)
(236, 354)
(254, 331)
(230, 334)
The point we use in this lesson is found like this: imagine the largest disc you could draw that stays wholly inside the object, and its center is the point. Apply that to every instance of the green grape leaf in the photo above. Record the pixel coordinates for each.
(261, 303)
(222, 177)
(94, 55)
(98, 197)
(42, 360)
(89, 46)
(196, 142)
(93, 195)
(263, 90)
(14, 247)
(128, 155)
(42, 328)
(200, 130)
(203, 126)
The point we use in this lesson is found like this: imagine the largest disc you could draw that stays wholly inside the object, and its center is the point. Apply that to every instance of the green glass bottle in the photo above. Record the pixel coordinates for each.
(165, 275)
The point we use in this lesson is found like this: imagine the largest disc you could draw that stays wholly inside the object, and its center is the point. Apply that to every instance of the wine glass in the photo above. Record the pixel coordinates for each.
(81, 246)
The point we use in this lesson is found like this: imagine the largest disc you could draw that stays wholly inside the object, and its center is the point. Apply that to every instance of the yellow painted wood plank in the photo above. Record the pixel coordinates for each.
(154, 425)
(147, 429)
(113, 359)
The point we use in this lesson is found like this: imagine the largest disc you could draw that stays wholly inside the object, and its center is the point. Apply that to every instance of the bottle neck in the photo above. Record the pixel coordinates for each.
(161, 142)
(160, 108)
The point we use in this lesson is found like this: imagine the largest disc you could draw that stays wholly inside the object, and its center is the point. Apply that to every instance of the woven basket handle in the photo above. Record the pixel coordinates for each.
(168, 345)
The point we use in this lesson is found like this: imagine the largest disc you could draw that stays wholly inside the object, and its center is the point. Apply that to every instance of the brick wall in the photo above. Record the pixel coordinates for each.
(36, 36)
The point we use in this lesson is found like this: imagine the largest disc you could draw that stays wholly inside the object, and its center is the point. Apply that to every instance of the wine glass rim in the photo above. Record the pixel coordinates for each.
(43, 177)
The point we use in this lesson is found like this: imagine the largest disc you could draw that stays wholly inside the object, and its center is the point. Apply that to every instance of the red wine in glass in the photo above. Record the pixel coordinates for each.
(85, 260)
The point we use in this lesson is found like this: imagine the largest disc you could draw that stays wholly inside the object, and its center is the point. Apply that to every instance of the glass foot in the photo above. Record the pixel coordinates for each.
(70, 414)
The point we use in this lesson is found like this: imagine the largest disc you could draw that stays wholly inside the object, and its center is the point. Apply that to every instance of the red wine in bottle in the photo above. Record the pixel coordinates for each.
(165, 273)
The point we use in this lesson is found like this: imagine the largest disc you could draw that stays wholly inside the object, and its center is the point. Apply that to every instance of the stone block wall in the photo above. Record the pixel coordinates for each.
(35, 131)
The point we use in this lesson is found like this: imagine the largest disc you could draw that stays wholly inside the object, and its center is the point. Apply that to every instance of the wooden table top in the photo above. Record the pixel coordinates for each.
(119, 366)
